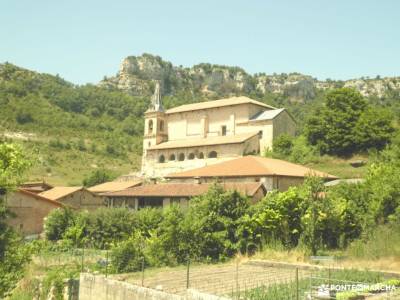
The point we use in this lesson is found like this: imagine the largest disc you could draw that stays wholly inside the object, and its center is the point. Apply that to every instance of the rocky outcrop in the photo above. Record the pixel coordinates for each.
(137, 74)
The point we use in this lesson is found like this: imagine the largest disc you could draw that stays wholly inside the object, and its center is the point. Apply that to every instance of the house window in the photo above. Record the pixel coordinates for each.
(172, 157)
(191, 156)
(212, 154)
(150, 202)
(181, 157)
(223, 130)
(200, 155)
(161, 159)
(161, 125)
(150, 127)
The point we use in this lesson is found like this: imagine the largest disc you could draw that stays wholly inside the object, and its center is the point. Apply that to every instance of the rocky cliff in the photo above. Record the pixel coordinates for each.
(137, 74)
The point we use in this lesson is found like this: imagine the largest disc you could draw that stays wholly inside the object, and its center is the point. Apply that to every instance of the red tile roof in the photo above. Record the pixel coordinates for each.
(249, 166)
(183, 189)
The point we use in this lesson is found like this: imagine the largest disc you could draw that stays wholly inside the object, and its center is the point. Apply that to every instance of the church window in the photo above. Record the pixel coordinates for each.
(172, 157)
(150, 126)
(161, 125)
(223, 130)
(161, 158)
(191, 156)
(181, 157)
(212, 154)
(200, 155)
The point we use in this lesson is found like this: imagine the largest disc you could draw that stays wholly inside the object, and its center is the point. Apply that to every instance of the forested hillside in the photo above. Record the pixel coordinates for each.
(72, 130)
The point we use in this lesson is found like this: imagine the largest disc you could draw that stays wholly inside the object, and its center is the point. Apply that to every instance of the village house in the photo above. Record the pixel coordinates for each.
(113, 186)
(76, 197)
(195, 135)
(164, 194)
(275, 174)
(29, 210)
(36, 186)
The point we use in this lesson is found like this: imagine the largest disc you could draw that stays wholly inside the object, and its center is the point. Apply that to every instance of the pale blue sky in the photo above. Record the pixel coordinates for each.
(83, 40)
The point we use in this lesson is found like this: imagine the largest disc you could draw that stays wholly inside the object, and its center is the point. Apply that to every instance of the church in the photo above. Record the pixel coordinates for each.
(196, 135)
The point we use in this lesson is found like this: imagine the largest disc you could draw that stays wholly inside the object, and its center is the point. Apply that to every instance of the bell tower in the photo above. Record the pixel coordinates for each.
(155, 126)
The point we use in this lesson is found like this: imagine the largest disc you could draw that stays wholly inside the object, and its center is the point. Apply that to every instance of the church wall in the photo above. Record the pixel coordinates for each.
(267, 132)
(188, 124)
(283, 123)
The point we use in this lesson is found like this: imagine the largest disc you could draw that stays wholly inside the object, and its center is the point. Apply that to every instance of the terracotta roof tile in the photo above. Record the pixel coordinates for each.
(183, 189)
(208, 141)
(216, 103)
(113, 186)
(251, 166)
(60, 192)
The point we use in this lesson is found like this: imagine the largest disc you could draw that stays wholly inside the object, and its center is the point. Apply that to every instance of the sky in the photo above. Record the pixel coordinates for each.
(85, 40)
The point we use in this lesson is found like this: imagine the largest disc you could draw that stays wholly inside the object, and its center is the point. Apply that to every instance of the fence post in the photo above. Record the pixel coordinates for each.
(297, 283)
(187, 273)
(106, 263)
(143, 271)
(83, 257)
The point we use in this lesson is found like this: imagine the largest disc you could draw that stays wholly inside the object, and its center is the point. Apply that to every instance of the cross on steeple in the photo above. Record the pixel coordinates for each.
(156, 103)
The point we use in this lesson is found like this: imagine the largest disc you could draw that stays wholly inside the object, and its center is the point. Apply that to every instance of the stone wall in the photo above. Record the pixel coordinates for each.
(98, 287)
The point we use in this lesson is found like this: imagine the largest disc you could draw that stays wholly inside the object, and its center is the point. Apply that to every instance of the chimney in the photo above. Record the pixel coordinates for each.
(197, 180)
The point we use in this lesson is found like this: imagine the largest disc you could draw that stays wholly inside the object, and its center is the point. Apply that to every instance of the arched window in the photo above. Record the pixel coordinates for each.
(191, 156)
(161, 158)
(181, 157)
(150, 126)
(161, 125)
(212, 154)
(172, 157)
(200, 155)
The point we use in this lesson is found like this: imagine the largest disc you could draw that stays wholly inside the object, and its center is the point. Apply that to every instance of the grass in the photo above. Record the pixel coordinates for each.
(339, 167)
(288, 290)
(71, 166)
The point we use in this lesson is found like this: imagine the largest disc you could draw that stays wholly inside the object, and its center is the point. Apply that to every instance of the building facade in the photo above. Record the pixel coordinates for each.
(195, 135)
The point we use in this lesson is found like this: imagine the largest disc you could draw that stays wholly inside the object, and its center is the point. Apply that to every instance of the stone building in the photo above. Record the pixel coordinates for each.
(274, 174)
(199, 134)
(164, 194)
(76, 197)
(29, 210)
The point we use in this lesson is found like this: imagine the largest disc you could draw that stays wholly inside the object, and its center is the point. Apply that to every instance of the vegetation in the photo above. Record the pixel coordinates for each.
(13, 253)
(220, 224)
(348, 124)
(69, 129)
(97, 177)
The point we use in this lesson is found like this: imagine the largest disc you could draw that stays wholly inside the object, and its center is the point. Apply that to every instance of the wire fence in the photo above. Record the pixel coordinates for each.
(238, 279)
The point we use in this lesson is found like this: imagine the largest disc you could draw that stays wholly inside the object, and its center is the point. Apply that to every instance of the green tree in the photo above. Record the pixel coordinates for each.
(13, 254)
(343, 126)
(283, 145)
(98, 176)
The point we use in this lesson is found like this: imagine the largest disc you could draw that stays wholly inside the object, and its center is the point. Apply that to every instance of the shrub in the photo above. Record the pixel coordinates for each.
(128, 256)
(97, 177)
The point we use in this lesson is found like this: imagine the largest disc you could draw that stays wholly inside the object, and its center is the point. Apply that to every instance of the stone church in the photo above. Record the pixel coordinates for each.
(200, 134)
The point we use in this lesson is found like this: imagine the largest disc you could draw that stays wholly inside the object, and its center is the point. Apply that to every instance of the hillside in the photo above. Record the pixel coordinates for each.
(71, 130)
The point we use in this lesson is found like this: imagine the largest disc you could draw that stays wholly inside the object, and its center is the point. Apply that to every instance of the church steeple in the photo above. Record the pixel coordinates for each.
(156, 103)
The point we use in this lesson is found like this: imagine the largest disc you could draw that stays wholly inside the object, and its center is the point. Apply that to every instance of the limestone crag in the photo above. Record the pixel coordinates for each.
(137, 74)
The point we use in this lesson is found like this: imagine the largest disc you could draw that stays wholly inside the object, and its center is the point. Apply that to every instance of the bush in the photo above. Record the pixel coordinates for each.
(128, 256)
(97, 177)
(283, 145)
(57, 222)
